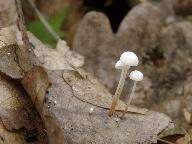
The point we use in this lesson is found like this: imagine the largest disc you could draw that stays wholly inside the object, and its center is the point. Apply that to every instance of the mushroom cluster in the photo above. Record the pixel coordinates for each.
(127, 59)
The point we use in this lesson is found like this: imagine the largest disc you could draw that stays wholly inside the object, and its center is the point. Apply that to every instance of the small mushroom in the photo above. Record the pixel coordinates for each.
(127, 59)
(135, 76)
(119, 65)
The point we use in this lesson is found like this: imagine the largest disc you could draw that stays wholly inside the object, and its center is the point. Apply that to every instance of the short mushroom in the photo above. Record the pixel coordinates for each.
(119, 65)
(135, 76)
(127, 59)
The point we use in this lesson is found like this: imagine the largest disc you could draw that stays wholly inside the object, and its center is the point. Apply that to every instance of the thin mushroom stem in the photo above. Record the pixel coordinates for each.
(119, 89)
(130, 99)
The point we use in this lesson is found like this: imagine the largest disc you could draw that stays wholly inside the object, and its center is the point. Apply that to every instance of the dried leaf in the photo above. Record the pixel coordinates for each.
(36, 83)
(187, 139)
(8, 57)
(7, 13)
(28, 63)
(81, 126)
(89, 90)
(17, 111)
(7, 137)
(187, 115)
(56, 59)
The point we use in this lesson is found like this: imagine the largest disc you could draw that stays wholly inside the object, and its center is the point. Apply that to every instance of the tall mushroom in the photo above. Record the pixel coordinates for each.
(127, 59)
(135, 76)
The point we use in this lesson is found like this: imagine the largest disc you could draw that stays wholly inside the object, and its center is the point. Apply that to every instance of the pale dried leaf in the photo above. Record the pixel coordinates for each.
(80, 126)
(56, 59)
(89, 90)
(8, 15)
(8, 56)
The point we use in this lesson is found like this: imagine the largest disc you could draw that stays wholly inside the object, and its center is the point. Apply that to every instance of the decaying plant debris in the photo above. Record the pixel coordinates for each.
(47, 95)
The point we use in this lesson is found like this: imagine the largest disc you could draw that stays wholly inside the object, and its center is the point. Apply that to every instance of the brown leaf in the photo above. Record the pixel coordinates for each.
(26, 61)
(17, 111)
(36, 83)
(7, 137)
(187, 139)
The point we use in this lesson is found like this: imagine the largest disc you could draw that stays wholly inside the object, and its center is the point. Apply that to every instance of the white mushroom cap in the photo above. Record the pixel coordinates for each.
(119, 65)
(129, 58)
(136, 75)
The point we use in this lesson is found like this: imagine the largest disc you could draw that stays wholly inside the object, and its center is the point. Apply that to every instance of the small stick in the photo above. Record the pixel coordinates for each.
(142, 1)
(44, 21)
(162, 140)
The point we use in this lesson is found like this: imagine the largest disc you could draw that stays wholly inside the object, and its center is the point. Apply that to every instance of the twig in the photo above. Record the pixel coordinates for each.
(44, 21)
(23, 55)
(162, 140)
(142, 1)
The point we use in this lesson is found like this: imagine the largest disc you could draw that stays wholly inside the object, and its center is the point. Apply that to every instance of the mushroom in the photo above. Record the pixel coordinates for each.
(127, 59)
(135, 76)
(119, 65)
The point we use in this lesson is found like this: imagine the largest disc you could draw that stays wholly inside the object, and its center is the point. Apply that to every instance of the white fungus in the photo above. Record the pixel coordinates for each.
(136, 75)
(129, 59)
(119, 65)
